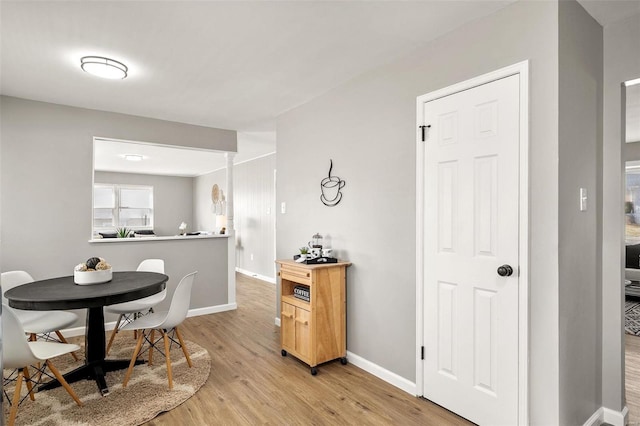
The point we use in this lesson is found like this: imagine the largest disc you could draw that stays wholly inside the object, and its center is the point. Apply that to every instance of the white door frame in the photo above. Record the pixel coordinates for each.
(521, 68)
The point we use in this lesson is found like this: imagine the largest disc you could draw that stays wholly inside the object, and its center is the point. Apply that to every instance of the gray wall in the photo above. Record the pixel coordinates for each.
(172, 198)
(368, 128)
(621, 63)
(207, 256)
(255, 213)
(46, 175)
(580, 163)
(204, 218)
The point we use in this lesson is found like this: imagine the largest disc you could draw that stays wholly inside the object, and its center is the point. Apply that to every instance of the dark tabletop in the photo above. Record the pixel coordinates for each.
(63, 293)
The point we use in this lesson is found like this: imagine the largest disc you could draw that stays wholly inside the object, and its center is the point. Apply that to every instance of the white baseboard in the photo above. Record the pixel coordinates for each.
(608, 416)
(382, 373)
(254, 275)
(79, 331)
(376, 370)
(212, 310)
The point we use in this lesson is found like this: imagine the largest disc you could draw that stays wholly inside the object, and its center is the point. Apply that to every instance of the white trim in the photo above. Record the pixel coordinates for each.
(382, 373)
(595, 419)
(521, 68)
(254, 275)
(255, 158)
(615, 418)
(632, 82)
(608, 416)
(231, 230)
(277, 321)
(108, 326)
(156, 238)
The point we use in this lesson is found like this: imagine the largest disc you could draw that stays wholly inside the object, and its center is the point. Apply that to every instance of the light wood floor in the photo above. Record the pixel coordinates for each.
(251, 383)
(632, 377)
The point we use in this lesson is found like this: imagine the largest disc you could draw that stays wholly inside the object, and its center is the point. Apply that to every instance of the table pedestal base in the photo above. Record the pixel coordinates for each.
(95, 371)
(95, 366)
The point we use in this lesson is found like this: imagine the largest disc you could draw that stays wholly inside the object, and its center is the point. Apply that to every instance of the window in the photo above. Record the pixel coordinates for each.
(116, 206)
(632, 203)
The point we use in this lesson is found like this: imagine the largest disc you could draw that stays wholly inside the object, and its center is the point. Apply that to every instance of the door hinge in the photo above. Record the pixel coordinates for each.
(422, 352)
(422, 129)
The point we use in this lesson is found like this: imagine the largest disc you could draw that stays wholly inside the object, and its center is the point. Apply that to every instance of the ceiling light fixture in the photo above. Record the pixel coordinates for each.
(104, 67)
(133, 157)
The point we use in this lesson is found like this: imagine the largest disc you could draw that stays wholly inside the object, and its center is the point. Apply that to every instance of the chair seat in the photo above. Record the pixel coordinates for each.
(45, 321)
(149, 321)
(47, 350)
(137, 305)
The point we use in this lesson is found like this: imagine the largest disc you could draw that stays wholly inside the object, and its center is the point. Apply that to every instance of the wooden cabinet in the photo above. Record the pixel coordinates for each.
(314, 331)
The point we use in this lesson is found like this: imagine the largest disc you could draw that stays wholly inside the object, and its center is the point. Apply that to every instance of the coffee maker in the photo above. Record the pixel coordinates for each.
(315, 246)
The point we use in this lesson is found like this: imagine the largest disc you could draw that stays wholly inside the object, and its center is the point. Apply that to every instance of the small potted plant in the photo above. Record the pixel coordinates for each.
(303, 252)
(123, 232)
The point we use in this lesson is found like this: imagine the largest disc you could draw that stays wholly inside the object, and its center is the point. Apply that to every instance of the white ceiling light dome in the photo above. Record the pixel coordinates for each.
(104, 67)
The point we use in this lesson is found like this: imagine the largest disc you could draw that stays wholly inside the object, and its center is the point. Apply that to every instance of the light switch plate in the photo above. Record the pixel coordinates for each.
(583, 199)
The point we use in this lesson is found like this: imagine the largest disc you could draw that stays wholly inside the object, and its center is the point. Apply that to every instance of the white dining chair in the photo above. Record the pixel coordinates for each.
(37, 323)
(18, 355)
(129, 311)
(167, 324)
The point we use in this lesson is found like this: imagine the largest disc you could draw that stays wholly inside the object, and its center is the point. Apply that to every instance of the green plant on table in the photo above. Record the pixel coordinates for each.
(304, 250)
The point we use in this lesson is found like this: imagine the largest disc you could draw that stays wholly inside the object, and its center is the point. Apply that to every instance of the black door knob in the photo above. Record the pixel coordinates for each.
(505, 270)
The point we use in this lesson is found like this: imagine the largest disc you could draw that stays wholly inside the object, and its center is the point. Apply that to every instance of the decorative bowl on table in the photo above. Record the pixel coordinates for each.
(94, 271)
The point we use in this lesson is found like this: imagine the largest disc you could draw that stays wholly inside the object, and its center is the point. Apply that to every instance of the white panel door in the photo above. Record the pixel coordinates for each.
(471, 203)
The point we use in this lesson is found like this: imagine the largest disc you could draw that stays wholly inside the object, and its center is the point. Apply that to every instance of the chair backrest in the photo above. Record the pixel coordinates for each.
(16, 352)
(11, 279)
(180, 302)
(152, 265)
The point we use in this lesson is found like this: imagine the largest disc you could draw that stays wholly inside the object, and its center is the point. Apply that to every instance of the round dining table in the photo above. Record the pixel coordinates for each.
(62, 293)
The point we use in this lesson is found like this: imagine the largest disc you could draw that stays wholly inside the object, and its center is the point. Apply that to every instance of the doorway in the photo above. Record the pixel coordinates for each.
(631, 153)
(472, 291)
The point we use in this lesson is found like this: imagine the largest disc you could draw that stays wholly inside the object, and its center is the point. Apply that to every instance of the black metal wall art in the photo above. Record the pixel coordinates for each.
(330, 187)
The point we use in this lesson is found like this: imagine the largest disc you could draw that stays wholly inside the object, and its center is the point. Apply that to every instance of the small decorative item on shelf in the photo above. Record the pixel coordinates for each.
(123, 232)
(183, 228)
(302, 256)
(94, 271)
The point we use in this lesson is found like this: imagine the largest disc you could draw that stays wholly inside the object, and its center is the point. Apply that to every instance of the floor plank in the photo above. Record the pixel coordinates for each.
(251, 383)
(632, 377)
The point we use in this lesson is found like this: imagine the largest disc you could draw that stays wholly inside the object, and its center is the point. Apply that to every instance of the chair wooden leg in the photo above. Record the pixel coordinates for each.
(16, 400)
(168, 357)
(133, 359)
(113, 334)
(63, 340)
(32, 338)
(184, 348)
(27, 378)
(153, 334)
(63, 382)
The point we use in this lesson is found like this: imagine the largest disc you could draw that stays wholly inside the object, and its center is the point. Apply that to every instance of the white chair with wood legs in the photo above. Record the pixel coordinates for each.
(167, 324)
(36, 323)
(18, 355)
(129, 311)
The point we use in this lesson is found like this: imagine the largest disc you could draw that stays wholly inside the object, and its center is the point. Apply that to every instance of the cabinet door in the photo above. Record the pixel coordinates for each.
(302, 337)
(287, 327)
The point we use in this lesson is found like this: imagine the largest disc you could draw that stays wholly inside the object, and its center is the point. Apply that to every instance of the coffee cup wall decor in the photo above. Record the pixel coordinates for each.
(331, 187)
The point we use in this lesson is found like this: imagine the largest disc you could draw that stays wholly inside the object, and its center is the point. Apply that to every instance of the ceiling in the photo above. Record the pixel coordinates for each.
(227, 64)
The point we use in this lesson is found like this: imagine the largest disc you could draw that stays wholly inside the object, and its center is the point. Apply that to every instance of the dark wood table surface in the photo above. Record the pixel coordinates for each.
(62, 293)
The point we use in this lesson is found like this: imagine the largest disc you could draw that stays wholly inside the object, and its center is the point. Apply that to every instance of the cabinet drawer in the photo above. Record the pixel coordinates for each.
(298, 275)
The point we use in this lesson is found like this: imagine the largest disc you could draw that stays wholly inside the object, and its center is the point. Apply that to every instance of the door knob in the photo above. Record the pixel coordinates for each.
(505, 270)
